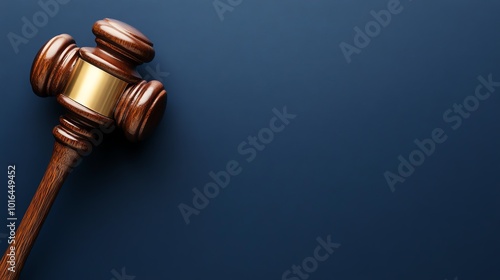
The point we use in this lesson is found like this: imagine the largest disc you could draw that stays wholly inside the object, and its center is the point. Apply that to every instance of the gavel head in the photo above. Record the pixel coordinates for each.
(102, 81)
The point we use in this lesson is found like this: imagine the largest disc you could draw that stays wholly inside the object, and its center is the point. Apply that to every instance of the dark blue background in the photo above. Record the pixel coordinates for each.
(323, 175)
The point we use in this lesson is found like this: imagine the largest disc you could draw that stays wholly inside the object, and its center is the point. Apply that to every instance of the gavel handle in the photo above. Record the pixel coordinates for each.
(63, 157)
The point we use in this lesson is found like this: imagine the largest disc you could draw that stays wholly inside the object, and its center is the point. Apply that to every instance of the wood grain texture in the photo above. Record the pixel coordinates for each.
(120, 48)
(140, 109)
(53, 65)
(63, 158)
(74, 137)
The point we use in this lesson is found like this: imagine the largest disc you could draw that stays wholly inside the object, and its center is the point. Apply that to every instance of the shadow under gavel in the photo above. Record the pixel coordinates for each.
(99, 87)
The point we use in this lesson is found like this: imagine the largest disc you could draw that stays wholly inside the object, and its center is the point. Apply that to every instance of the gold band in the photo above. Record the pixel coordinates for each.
(94, 88)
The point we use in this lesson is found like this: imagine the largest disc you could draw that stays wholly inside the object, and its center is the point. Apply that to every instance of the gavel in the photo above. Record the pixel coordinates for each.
(99, 88)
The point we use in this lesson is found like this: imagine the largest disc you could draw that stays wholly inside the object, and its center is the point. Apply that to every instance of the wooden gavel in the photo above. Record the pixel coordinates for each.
(99, 87)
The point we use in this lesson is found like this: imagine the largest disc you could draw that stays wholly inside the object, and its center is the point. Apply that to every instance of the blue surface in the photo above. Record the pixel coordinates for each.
(117, 216)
